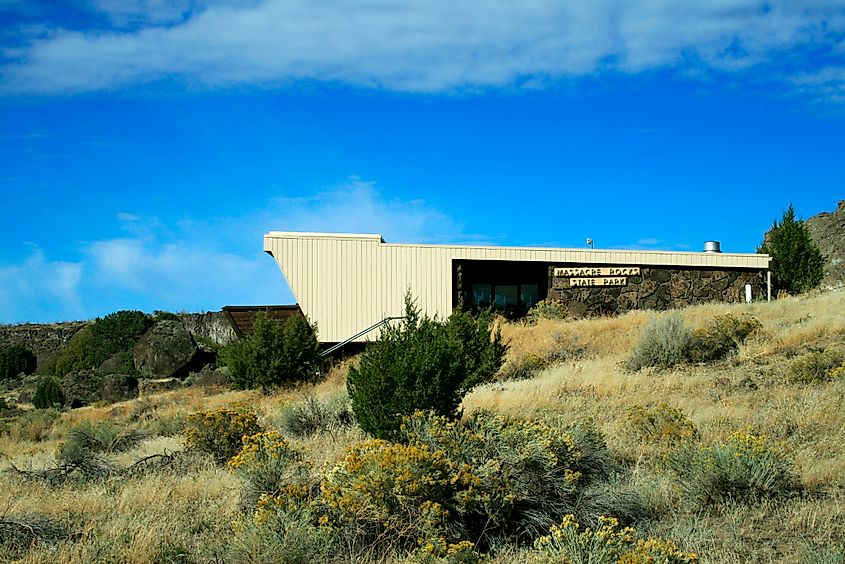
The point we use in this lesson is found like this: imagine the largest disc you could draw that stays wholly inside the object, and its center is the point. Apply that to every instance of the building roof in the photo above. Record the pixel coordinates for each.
(346, 282)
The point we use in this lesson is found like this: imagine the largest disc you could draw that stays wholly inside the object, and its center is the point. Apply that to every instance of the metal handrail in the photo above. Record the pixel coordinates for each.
(333, 348)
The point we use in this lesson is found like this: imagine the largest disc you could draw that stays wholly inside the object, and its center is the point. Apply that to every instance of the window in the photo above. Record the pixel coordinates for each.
(529, 295)
(482, 295)
(506, 296)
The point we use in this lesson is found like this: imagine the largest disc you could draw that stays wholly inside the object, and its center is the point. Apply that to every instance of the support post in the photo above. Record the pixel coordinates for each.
(768, 285)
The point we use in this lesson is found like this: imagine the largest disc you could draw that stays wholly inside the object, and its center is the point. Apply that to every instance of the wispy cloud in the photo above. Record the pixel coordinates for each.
(356, 205)
(199, 265)
(37, 289)
(417, 46)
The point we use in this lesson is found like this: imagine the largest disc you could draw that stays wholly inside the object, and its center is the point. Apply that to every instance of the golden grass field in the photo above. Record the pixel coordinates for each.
(186, 515)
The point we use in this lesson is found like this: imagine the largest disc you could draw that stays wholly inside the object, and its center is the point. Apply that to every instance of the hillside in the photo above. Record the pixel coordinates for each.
(178, 506)
(828, 232)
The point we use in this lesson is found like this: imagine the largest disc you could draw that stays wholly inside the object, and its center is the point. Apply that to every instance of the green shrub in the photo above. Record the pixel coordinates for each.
(547, 309)
(48, 393)
(721, 337)
(115, 333)
(423, 363)
(220, 432)
(102, 437)
(814, 367)
(743, 468)
(14, 360)
(665, 342)
(797, 263)
(607, 544)
(276, 354)
(521, 368)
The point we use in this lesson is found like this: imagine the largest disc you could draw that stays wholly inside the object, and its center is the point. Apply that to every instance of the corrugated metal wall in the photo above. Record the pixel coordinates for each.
(347, 282)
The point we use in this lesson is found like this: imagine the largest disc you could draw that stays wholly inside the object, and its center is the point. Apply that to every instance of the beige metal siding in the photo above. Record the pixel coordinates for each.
(347, 282)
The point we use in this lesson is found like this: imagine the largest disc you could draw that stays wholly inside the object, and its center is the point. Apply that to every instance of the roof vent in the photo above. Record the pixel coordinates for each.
(712, 247)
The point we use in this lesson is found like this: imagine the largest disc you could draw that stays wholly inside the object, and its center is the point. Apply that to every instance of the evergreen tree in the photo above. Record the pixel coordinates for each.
(797, 263)
(276, 354)
(423, 363)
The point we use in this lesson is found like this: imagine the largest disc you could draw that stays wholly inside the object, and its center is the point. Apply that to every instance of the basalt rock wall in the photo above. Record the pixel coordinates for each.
(47, 340)
(651, 288)
(44, 340)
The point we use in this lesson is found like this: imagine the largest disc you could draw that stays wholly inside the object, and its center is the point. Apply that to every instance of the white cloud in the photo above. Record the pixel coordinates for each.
(356, 206)
(38, 289)
(419, 46)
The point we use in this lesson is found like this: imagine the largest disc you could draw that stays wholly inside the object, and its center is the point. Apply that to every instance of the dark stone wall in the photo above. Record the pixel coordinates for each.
(44, 340)
(657, 288)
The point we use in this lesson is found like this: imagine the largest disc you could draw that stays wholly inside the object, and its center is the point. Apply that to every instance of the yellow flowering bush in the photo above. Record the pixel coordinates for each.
(395, 493)
(219, 432)
(518, 476)
(284, 527)
(269, 466)
(607, 544)
(743, 467)
(818, 366)
(439, 551)
(659, 429)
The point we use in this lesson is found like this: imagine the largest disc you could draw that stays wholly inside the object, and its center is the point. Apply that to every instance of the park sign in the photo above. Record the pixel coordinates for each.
(597, 276)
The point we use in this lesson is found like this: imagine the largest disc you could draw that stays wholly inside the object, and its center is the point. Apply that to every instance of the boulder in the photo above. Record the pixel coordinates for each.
(209, 377)
(81, 387)
(167, 350)
(85, 387)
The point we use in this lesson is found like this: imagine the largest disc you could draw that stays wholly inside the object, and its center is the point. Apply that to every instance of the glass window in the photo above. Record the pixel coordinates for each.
(529, 294)
(481, 295)
(506, 296)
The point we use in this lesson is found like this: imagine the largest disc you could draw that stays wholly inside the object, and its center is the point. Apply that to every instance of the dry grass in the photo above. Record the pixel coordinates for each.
(186, 515)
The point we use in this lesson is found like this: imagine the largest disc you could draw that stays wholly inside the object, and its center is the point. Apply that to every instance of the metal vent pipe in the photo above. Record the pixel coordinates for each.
(712, 247)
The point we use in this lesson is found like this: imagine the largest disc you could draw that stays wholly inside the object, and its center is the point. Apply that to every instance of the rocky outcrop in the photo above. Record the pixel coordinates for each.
(211, 325)
(167, 350)
(45, 340)
(828, 232)
(86, 387)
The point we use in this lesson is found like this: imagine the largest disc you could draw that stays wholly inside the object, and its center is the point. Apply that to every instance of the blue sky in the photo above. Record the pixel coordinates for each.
(147, 145)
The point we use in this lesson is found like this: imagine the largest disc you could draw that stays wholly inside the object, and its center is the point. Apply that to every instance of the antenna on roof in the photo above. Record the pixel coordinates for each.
(590, 242)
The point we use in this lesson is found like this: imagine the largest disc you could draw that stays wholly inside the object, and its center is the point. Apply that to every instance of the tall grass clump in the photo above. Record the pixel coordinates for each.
(423, 363)
(548, 308)
(313, 415)
(664, 342)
